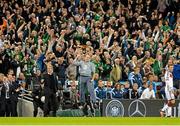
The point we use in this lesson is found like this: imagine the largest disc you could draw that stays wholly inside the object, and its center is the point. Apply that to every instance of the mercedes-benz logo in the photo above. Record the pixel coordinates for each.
(114, 108)
(137, 108)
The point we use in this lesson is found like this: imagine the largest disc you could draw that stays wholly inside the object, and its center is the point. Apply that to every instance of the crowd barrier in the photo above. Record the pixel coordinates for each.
(25, 106)
(111, 108)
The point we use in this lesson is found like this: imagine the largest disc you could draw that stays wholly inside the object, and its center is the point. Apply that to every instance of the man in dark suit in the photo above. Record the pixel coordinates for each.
(7, 96)
(2, 96)
(37, 94)
(15, 90)
(50, 89)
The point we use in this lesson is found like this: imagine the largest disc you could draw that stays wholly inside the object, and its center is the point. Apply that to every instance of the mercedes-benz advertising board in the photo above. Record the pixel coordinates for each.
(136, 108)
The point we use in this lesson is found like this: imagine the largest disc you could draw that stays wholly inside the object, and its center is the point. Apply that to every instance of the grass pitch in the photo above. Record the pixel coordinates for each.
(96, 121)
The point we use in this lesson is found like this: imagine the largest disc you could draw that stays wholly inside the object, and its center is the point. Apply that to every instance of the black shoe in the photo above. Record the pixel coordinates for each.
(93, 114)
(85, 110)
(169, 116)
(93, 111)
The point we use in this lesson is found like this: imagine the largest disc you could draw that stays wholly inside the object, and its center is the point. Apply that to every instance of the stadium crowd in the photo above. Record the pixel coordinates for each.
(113, 48)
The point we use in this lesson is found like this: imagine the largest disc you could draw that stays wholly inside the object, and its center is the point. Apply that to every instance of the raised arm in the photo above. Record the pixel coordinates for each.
(77, 61)
(111, 32)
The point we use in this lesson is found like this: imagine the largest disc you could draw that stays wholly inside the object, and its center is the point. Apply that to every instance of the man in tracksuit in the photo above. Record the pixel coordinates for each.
(117, 93)
(100, 91)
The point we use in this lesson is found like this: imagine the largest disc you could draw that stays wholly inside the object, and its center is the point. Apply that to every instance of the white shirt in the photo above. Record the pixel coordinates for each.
(168, 81)
(1, 43)
(147, 94)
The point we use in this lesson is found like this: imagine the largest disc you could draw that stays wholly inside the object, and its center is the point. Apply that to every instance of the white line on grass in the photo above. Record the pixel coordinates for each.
(89, 125)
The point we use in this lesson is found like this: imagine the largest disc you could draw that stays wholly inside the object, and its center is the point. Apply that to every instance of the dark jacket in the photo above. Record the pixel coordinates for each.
(50, 84)
(37, 91)
(117, 94)
(176, 72)
(61, 70)
(100, 93)
(2, 92)
(13, 93)
(134, 94)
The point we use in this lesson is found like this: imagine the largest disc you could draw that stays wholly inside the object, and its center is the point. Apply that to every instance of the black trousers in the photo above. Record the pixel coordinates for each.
(14, 108)
(7, 107)
(2, 108)
(36, 104)
(50, 104)
(28, 82)
(85, 106)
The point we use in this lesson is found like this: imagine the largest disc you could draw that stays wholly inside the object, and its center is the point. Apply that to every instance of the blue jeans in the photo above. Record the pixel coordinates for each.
(85, 84)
